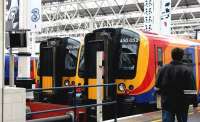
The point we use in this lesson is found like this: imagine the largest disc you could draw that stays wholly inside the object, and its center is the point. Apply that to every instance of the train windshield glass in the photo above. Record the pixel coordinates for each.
(122, 47)
(71, 55)
(81, 62)
(129, 43)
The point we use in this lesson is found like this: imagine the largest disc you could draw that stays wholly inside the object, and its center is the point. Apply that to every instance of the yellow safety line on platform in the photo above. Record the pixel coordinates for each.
(190, 113)
(159, 120)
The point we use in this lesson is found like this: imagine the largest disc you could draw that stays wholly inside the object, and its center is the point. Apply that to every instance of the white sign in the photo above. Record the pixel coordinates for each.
(24, 67)
(23, 14)
(35, 15)
(165, 27)
(157, 16)
(198, 34)
(12, 15)
(148, 15)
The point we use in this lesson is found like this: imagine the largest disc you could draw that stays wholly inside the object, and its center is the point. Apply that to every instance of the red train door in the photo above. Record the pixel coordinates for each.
(159, 62)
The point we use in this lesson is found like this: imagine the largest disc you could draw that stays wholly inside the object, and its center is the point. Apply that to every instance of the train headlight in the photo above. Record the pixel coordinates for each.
(66, 82)
(73, 83)
(131, 87)
(121, 87)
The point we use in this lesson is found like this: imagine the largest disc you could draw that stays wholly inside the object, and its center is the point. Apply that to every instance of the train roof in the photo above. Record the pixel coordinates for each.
(167, 38)
(62, 38)
(171, 39)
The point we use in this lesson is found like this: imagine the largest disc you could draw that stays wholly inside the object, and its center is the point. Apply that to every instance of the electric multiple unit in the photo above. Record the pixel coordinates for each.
(133, 58)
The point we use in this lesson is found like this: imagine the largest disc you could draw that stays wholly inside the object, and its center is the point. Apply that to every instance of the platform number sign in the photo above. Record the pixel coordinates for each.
(35, 15)
(148, 15)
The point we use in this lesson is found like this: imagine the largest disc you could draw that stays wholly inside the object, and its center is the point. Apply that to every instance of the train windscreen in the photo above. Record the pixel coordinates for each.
(122, 50)
(129, 43)
(59, 55)
(71, 54)
(81, 63)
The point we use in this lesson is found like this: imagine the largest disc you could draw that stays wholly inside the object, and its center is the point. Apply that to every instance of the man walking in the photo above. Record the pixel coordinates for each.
(175, 83)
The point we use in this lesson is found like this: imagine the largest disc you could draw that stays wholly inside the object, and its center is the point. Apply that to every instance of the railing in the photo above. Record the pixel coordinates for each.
(75, 106)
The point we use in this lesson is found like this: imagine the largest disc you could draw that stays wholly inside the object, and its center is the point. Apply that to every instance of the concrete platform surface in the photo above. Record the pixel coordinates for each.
(194, 116)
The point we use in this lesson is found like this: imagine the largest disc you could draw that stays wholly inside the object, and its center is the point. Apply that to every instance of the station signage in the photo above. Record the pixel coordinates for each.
(148, 15)
(35, 12)
(157, 16)
(23, 15)
(165, 20)
(12, 15)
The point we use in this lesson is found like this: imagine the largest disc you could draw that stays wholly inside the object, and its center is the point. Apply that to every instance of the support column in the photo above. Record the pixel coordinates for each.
(99, 70)
(91, 25)
(11, 69)
(2, 30)
(156, 16)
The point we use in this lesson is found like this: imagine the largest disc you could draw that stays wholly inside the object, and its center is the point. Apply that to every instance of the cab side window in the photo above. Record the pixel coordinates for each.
(160, 56)
(187, 59)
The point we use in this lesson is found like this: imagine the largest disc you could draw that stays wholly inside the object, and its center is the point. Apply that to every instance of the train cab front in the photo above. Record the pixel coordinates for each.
(58, 61)
(120, 48)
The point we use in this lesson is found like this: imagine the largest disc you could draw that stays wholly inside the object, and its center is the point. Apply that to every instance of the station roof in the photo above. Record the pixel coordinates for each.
(77, 17)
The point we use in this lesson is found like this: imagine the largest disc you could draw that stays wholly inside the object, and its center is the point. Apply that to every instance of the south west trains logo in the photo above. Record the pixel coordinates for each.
(35, 15)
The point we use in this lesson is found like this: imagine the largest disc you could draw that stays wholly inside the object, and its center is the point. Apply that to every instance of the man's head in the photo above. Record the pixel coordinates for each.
(177, 54)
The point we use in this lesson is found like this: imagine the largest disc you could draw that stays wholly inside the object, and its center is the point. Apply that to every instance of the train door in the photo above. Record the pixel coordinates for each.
(189, 59)
(159, 62)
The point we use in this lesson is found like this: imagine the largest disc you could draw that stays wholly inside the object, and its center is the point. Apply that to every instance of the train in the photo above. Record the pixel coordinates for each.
(58, 66)
(134, 58)
(33, 70)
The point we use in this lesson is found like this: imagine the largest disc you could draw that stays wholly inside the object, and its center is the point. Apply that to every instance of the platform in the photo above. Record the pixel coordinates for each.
(156, 117)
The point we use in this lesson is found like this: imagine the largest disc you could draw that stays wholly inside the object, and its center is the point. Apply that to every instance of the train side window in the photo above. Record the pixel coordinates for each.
(70, 60)
(187, 58)
(160, 56)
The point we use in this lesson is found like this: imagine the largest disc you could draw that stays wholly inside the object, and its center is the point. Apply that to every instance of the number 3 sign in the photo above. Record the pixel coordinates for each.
(35, 15)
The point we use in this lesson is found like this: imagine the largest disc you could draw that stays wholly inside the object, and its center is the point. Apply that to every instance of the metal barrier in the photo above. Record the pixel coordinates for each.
(75, 106)
(67, 118)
